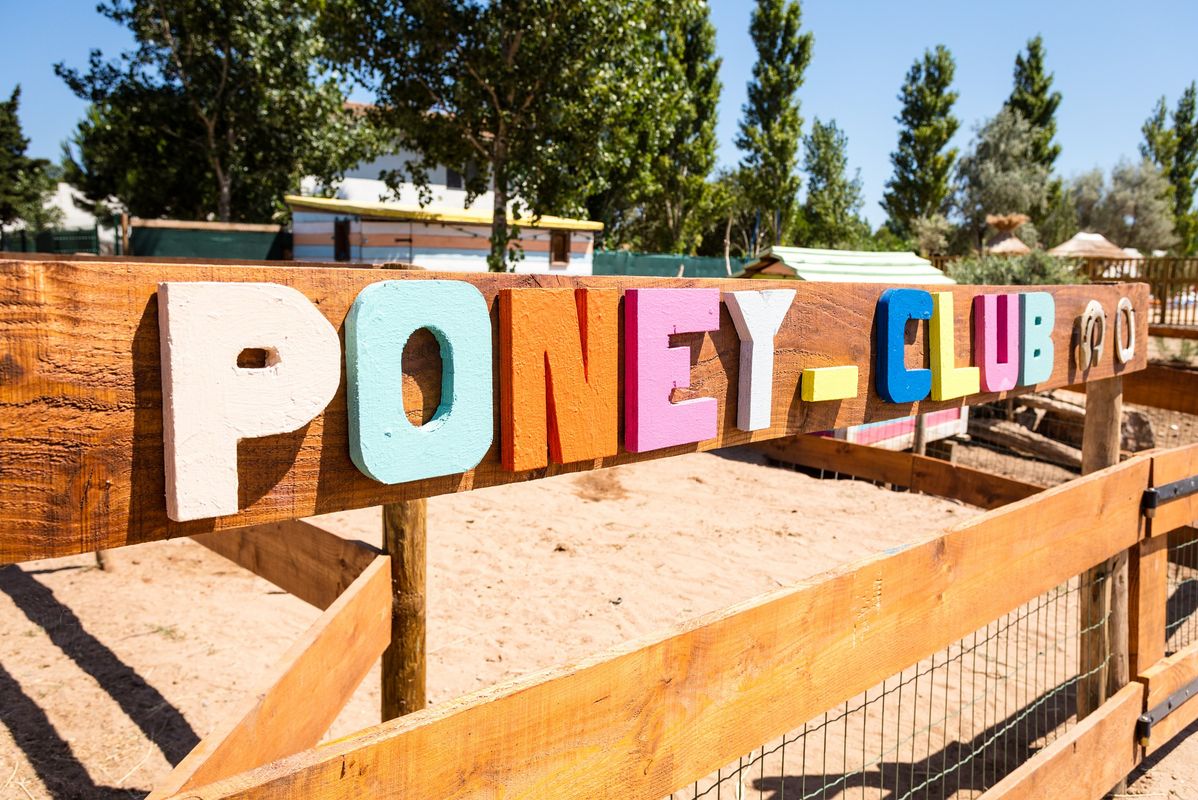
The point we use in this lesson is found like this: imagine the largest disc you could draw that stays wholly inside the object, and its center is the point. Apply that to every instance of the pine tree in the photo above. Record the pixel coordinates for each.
(1035, 101)
(830, 213)
(23, 183)
(923, 162)
(771, 127)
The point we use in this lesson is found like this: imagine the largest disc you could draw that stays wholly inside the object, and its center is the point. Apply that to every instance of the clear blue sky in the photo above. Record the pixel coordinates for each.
(1111, 61)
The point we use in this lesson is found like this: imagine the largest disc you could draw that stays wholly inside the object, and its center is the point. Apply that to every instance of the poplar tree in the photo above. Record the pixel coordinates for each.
(923, 163)
(1172, 145)
(771, 127)
(1033, 98)
(830, 212)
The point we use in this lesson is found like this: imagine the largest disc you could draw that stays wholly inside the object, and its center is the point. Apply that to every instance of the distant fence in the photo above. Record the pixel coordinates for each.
(74, 240)
(195, 239)
(662, 265)
(1173, 282)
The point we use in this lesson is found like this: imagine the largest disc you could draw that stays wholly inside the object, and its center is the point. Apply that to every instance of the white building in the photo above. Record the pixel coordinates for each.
(366, 222)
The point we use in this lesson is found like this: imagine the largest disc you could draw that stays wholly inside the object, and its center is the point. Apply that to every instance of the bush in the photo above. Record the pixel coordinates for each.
(1036, 268)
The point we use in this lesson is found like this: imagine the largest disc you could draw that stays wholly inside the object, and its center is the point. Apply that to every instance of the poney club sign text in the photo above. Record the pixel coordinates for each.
(555, 354)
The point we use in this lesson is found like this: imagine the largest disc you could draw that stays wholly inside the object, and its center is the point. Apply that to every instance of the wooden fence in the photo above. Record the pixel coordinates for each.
(81, 413)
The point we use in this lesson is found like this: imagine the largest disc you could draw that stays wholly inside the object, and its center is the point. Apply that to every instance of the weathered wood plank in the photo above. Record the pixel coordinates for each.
(1170, 387)
(298, 701)
(1163, 679)
(1087, 761)
(81, 458)
(652, 716)
(920, 473)
(301, 558)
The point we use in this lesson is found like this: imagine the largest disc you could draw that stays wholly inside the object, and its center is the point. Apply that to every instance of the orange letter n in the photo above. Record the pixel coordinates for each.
(559, 367)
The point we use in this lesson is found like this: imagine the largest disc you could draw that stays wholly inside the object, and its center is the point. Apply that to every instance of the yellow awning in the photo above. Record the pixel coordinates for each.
(380, 210)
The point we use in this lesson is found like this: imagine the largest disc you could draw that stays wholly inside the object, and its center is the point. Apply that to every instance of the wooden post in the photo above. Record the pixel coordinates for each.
(919, 444)
(1100, 449)
(404, 659)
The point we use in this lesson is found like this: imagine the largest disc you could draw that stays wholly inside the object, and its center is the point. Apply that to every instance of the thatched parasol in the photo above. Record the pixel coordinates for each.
(1088, 245)
(1005, 242)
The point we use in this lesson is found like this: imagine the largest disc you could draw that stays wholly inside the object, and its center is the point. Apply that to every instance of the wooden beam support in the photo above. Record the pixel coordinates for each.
(1103, 657)
(81, 458)
(1163, 679)
(405, 539)
(1094, 755)
(300, 698)
(301, 558)
(1173, 331)
(649, 717)
(920, 473)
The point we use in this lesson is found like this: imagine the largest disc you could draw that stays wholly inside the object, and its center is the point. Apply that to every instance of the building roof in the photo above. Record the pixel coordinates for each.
(844, 266)
(468, 216)
(1088, 245)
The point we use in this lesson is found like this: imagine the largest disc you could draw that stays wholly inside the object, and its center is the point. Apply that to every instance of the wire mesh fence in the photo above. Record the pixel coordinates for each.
(1181, 610)
(950, 726)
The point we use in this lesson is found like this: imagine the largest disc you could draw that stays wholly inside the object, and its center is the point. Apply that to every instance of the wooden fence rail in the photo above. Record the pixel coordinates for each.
(647, 718)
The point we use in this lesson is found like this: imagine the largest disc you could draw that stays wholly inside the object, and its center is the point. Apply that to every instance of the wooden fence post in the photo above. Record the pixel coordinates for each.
(404, 539)
(404, 528)
(1106, 584)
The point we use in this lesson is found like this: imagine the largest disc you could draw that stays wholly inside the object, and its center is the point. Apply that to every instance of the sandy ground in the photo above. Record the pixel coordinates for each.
(106, 678)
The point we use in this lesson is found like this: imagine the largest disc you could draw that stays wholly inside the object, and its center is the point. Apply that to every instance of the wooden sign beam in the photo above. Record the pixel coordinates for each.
(81, 384)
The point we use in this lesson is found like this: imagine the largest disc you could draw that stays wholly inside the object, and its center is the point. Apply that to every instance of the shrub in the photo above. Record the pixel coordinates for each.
(1035, 268)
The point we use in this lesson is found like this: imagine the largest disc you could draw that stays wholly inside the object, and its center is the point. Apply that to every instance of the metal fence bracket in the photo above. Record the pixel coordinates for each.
(1156, 714)
(1167, 493)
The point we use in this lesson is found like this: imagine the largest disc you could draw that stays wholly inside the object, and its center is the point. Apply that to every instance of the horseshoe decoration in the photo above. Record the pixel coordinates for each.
(1091, 335)
(1125, 316)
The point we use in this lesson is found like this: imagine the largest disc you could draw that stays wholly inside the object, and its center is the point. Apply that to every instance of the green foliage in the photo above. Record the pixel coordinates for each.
(727, 221)
(1035, 268)
(1133, 211)
(830, 214)
(218, 110)
(931, 234)
(548, 98)
(24, 181)
(1172, 145)
(1032, 97)
(1000, 175)
(771, 127)
(656, 200)
(922, 164)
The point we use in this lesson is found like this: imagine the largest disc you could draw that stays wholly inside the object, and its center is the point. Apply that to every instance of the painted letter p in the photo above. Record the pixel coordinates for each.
(209, 403)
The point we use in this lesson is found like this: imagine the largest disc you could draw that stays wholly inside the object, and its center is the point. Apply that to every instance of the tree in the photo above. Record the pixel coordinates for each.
(653, 199)
(680, 169)
(218, 110)
(1185, 164)
(920, 186)
(771, 127)
(1032, 97)
(544, 97)
(1133, 211)
(1000, 175)
(24, 181)
(830, 213)
(1174, 149)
